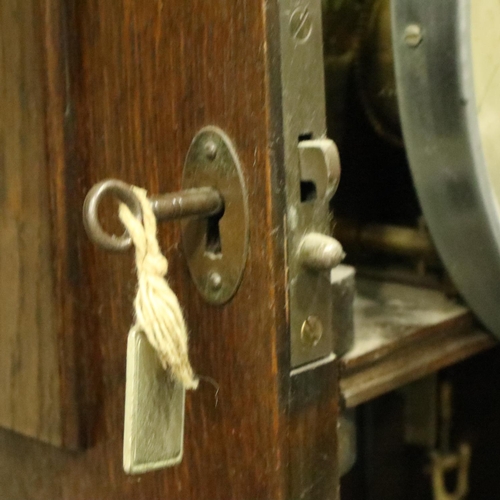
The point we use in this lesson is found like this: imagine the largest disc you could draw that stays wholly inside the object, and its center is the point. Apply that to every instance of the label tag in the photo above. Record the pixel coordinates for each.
(154, 410)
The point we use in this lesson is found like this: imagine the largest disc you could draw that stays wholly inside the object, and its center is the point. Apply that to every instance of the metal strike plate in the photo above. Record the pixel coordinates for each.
(216, 247)
(312, 172)
(343, 288)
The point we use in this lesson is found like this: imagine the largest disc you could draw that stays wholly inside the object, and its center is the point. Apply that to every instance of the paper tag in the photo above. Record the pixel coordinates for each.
(154, 411)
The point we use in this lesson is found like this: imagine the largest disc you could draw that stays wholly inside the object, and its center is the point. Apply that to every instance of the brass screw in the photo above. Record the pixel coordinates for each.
(301, 24)
(210, 150)
(311, 331)
(215, 280)
(413, 35)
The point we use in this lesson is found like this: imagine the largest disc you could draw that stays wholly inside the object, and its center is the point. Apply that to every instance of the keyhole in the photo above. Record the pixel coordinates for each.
(213, 241)
(308, 191)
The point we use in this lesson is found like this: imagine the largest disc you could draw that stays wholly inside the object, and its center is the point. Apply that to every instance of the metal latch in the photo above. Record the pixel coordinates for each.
(443, 460)
(428, 411)
(312, 173)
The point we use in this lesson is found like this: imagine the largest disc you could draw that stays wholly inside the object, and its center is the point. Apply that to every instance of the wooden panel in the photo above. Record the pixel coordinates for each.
(403, 333)
(314, 471)
(128, 86)
(29, 372)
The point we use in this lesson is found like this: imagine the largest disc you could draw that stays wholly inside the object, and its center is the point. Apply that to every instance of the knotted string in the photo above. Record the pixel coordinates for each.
(157, 310)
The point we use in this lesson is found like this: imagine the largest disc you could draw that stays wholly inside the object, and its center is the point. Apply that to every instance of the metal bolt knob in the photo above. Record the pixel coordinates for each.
(320, 252)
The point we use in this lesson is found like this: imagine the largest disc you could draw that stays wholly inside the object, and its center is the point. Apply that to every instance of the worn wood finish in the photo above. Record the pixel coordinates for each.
(314, 472)
(128, 86)
(403, 333)
(29, 371)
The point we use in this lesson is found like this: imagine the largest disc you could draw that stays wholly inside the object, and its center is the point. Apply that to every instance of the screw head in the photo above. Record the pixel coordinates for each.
(413, 35)
(311, 331)
(215, 280)
(210, 150)
(301, 24)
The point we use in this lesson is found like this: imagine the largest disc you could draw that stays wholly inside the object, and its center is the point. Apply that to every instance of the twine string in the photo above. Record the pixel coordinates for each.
(157, 310)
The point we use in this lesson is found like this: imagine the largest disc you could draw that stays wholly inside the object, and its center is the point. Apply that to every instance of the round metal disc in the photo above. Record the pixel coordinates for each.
(450, 116)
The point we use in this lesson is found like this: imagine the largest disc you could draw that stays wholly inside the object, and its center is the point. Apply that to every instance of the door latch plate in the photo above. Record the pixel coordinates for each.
(312, 172)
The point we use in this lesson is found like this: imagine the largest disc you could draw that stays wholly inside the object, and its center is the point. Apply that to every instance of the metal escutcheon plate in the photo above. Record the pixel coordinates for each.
(216, 247)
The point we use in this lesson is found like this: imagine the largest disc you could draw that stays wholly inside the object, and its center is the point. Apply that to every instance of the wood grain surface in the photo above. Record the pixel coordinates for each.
(29, 371)
(128, 85)
(403, 333)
